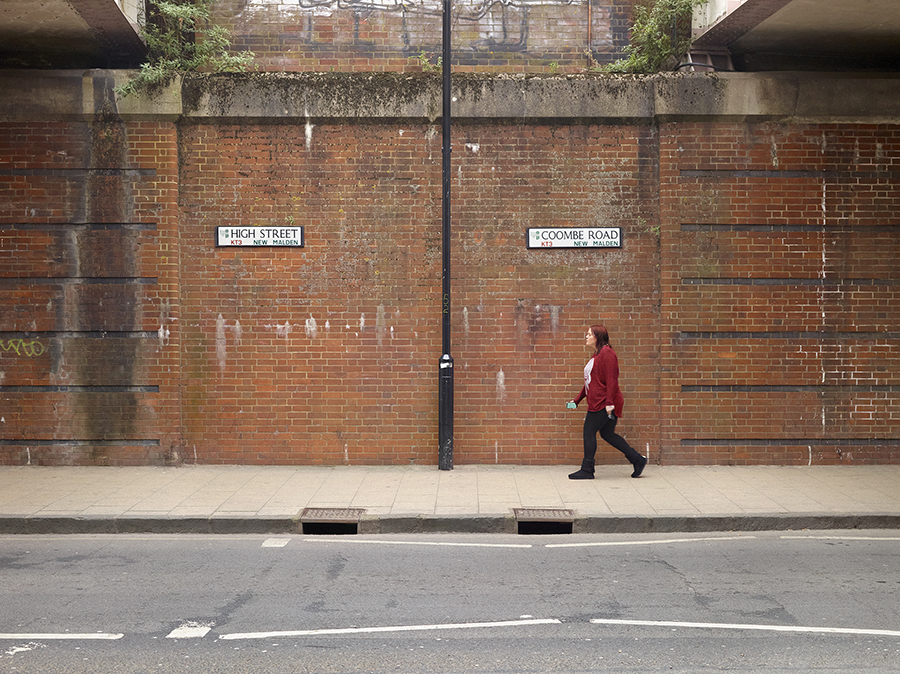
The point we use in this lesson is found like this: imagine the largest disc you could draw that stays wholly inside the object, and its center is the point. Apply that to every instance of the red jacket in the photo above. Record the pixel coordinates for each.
(601, 382)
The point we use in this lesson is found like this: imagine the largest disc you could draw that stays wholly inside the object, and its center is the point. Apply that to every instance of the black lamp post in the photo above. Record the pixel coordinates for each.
(445, 388)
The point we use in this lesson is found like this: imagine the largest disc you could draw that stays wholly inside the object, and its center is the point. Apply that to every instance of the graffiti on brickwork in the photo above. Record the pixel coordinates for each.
(495, 22)
(471, 10)
(28, 348)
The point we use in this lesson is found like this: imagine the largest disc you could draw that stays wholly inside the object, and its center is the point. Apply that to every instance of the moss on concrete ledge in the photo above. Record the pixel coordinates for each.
(814, 97)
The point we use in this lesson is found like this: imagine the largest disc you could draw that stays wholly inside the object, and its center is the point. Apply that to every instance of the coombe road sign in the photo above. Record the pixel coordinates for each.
(575, 237)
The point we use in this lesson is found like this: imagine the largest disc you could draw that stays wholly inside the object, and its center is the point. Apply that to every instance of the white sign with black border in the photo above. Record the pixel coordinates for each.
(291, 237)
(574, 237)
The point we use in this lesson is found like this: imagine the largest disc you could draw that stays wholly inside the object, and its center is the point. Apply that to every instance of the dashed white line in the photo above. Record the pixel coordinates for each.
(394, 628)
(190, 630)
(765, 628)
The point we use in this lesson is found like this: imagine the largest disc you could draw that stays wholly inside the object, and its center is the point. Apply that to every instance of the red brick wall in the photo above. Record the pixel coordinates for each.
(753, 304)
(329, 353)
(523, 37)
(322, 354)
(88, 232)
(520, 315)
(780, 286)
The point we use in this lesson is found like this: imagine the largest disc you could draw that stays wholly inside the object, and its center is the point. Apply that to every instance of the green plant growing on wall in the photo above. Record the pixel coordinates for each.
(660, 36)
(427, 66)
(173, 49)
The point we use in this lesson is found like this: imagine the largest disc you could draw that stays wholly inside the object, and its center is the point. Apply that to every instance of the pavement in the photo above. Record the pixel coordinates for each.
(423, 499)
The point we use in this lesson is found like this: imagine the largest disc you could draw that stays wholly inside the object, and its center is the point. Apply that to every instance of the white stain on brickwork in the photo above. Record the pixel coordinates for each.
(823, 294)
(311, 328)
(163, 333)
(308, 130)
(473, 147)
(283, 330)
(501, 385)
(466, 321)
(221, 343)
(822, 272)
(237, 332)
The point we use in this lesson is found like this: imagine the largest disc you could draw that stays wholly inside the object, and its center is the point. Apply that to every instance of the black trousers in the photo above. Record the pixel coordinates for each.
(600, 422)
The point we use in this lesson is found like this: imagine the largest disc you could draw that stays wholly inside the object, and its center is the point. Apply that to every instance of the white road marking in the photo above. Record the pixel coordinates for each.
(51, 636)
(24, 648)
(275, 542)
(844, 538)
(395, 628)
(440, 544)
(190, 630)
(766, 628)
(654, 542)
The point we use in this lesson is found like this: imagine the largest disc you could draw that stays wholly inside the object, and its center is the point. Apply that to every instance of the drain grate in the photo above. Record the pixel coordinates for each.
(544, 520)
(331, 521)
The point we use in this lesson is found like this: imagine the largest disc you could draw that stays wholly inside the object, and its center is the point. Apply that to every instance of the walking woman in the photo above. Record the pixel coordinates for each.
(605, 401)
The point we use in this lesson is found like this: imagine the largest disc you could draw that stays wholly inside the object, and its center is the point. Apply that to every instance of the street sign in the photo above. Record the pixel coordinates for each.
(574, 237)
(259, 236)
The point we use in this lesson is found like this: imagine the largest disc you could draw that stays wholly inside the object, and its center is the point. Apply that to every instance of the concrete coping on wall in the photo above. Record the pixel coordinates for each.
(378, 97)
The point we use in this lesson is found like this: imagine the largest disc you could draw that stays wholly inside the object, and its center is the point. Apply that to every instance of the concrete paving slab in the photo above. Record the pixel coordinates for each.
(421, 498)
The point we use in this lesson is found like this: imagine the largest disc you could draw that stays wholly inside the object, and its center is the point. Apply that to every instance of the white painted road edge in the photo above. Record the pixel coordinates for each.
(396, 628)
(54, 637)
(195, 630)
(650, 542)
(843, 538)
(768, 628)
(359, 541)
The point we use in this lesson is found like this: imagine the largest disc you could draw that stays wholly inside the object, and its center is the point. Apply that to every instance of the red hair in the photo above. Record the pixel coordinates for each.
(601, 335)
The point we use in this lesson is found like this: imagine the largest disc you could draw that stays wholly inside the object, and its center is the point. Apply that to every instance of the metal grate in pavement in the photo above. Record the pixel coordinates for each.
(544, 514)
(331, 521)
(544, 520)
(342, 515)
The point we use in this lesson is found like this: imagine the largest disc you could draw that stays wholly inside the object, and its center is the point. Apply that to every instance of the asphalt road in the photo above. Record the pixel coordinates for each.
(773, 602)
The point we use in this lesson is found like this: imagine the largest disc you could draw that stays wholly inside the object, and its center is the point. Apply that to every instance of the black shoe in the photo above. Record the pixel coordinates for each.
(581, 475)
(639, 466)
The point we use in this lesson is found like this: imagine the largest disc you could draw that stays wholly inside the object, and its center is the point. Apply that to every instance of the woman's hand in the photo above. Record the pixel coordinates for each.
(610, 408)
